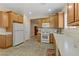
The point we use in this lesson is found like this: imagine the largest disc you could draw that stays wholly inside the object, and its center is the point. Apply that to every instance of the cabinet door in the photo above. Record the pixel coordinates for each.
(45, 20)
(14, 16)
(8, 41)
(78, 11)
(61, 20)
(56, 21)
(10, 21)
(51, 21)
(39, 23)
(70, 12)
(5, 20)
(52, 39)
(2, 41)
(21, 18)
(1, 19)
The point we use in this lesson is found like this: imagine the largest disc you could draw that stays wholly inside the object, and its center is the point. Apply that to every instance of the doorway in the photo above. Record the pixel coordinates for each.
(35, 30)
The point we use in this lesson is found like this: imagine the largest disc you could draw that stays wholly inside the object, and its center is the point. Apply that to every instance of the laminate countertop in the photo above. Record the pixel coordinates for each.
(6, 33)
(68, 46)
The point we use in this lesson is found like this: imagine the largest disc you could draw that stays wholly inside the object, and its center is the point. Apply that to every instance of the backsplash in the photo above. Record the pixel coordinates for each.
(49, 30)
(2, 30)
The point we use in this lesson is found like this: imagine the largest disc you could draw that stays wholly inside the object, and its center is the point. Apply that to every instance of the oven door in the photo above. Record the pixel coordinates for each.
(45, 37)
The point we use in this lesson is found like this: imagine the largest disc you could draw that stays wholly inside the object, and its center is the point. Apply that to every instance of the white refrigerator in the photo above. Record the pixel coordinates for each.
(18, 33)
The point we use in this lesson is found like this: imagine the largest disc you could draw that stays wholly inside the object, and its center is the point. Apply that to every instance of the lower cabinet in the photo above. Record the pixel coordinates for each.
(51, 39)
(39, 37)
(5, 41)
(8, 41)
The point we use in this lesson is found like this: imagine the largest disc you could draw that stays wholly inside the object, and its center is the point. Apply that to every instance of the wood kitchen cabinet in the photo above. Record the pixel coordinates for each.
(60, 19)
(3, 19)
(45, 20)
(13, 17)
(52, 39)
(39, 22)
(9, 41)
(57, 20)
(5, 41)
(39, 37)
(76, 12)
(20, 18)
(70, 12)
(51, 21)
(73, 14)
(2, 41)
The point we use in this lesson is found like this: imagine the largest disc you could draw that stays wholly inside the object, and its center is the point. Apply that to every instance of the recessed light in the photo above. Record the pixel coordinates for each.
(30, 12)
(70, 6)
(43, 3)
(49, 9)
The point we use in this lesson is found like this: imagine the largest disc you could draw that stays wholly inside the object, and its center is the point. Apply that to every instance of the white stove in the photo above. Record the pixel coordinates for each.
(45, 37)
(45, 33)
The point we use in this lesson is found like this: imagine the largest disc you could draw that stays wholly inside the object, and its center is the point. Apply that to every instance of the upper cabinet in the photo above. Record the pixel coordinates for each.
(73, 14)
(3, 19)
(45, 20)
(39, 23)
(60, 19)
(20, 18)
(13, 17)
(57, 20)
(70, 12)
(53, 20)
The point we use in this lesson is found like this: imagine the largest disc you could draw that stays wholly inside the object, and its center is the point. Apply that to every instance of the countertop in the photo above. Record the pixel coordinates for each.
(68, 46)
(6, 33)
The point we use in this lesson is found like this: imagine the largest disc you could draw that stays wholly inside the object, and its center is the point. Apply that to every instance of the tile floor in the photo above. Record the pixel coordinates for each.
(28, 48)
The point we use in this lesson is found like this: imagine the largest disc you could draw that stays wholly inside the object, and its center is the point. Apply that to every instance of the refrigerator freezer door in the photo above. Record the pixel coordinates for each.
(18, 33)
(18, 37)
(17, 26)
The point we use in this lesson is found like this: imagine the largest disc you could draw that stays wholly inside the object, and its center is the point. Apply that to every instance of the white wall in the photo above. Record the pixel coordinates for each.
(26, 27)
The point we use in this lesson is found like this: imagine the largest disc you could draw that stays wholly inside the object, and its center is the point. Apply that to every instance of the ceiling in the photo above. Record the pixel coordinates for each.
(37, 9)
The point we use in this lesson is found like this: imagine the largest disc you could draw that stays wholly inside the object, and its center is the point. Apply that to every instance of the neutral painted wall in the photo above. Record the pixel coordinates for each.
(26, 27)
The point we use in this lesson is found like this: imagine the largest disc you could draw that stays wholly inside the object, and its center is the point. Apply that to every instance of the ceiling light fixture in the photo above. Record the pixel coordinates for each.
(30, 12)
(70, 6)
(49, 9)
